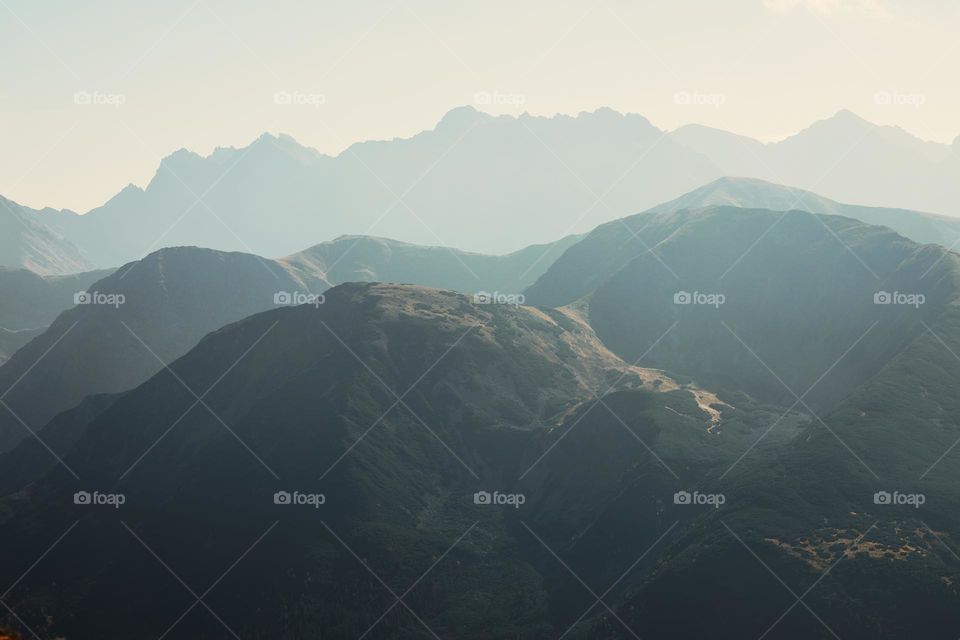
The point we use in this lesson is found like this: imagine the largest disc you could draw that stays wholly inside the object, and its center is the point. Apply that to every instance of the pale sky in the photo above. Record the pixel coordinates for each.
(200, 74)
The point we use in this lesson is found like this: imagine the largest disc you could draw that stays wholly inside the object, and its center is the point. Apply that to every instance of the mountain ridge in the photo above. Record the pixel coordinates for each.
(492, 184)
(480, 414)
(518, 400)
(27, 242)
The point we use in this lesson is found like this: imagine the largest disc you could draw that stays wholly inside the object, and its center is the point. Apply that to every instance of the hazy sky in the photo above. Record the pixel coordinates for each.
(199, 74)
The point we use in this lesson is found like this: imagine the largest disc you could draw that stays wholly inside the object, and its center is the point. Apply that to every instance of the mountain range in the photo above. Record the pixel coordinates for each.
(364, 258)
(844, 157)
(481, 183)
(787, 365)
(491, 184)
(302, 400)
(759, 275)
(923, 228)
(371, 259)
(851, 325)
(730, 415)
(152, 311)
(136, 319)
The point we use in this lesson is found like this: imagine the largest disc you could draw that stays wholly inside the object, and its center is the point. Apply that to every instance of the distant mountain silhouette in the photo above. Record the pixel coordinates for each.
(492, 184)
(168, 300)
(27, 242)
(754, 193)
(477, 182)
(173, 297)
(845, 158)
(369, 259)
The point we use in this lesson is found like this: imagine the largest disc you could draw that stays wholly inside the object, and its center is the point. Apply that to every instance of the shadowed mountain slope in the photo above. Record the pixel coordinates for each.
(145, 314)
(492, 398)
(845, 158)
(398, 403)
(796, 289)
(27, 242)
(752, 193)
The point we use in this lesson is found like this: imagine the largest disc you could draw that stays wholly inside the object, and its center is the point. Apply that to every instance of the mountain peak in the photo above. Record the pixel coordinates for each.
(605, 115)
(735, 180)
(843, 120)
(283, 139)
(842, 123)
(181, 155)
(460, 117)
(126, 195)
(845, 115)
(605, 112)
(193, 252)
(288, 145)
